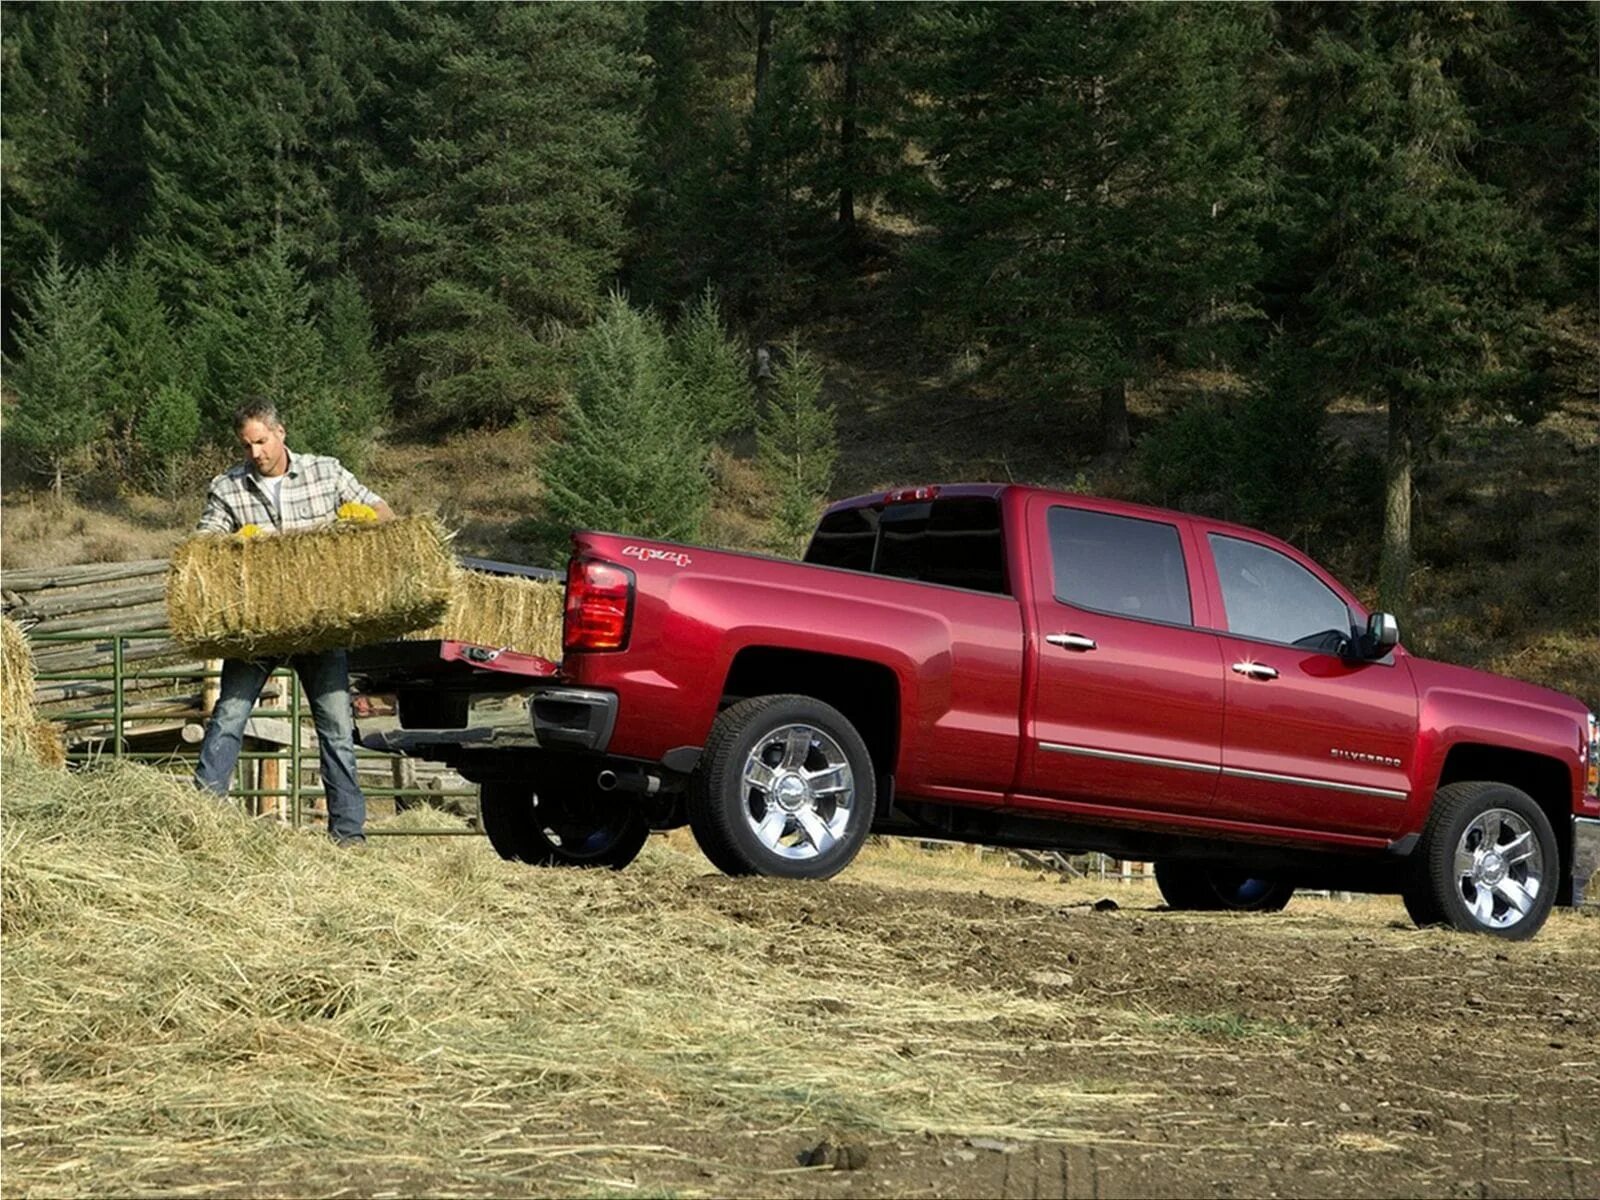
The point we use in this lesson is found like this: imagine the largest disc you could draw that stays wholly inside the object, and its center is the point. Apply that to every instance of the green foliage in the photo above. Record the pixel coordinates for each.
(797, 446)
(1091, 177)
(627, 461)
(716, 377)
(353, 374)
(1414, 268)
(265, 344)
(144, 354)
(501, 218)
(58, 370)
(1261, 458)
(169, 430)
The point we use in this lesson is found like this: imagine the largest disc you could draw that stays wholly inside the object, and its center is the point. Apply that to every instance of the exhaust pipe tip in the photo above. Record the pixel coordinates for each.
(607, 781)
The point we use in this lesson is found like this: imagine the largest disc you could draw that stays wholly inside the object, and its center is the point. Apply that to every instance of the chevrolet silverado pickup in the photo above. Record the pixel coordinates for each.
(1017, 667)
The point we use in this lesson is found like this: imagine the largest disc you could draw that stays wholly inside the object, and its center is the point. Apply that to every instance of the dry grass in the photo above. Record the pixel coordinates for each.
(184, 984)
(21, 730)
(345, 585)
(504, 611)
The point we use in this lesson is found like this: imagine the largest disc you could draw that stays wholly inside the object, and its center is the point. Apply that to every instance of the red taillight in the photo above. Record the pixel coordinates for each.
(911, 495)
(599, 606)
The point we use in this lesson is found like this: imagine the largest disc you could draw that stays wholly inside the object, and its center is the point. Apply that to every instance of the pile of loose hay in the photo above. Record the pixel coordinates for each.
(196, 998)
(504, 611)
(21, 730)
(348, 584)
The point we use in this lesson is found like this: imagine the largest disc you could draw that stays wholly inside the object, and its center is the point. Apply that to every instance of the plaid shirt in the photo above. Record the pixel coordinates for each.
(313, 489)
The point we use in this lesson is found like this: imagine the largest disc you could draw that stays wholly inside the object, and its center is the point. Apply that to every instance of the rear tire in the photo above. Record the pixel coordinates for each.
(566, 829)
(785, 787)
(1488, 862)
(1201, 887)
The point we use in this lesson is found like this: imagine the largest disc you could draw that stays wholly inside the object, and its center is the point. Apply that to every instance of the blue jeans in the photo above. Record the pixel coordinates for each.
(326, 679)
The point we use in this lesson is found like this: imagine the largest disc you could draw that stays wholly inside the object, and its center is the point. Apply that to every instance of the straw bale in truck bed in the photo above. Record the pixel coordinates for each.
(344, 585)
(503, 611)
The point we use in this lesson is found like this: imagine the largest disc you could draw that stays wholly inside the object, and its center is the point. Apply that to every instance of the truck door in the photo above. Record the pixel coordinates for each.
(1126, 706)
(1312, 738)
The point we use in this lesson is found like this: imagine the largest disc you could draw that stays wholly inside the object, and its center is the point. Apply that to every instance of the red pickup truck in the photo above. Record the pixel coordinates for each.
(1017, 667)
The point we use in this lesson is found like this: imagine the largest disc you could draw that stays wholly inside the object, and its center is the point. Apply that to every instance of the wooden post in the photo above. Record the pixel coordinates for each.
(271, 781)
(211, 688)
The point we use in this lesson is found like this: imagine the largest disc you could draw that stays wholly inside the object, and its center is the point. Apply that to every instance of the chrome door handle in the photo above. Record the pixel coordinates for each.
(1070, 641)
(1255, 670)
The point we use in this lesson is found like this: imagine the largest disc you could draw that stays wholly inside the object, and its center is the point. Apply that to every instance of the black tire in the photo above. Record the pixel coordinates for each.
(1510, 866)
(1203, 887)
(564, 830)
(746, 829)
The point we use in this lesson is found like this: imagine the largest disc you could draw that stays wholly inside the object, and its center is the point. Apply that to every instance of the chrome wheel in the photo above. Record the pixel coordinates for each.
(1499, 868)
(798, 791)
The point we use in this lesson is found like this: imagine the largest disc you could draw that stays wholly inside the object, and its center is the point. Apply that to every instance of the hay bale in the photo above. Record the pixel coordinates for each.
(349, 584)
(504, 611)
(21, 730)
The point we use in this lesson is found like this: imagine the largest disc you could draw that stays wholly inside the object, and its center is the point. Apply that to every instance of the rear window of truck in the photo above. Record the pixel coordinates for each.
(956, 542)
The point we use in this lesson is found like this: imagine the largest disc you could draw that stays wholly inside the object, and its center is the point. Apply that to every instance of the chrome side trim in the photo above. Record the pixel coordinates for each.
(1180, 764)
(1177, 764)
(1328, 784)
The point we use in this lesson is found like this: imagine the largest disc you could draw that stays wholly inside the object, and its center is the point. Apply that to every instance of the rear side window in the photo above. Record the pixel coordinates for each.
(1270, 596)
(1121, 565)
(956, 542)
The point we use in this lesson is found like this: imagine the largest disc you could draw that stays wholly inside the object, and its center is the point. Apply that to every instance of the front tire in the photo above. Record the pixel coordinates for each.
(564, 829)
(1488, 862)
(785, 787)
(1201, 887)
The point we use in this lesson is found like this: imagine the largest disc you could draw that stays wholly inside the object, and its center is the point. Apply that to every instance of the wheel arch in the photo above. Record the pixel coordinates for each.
(867, 693)
(1546, 780)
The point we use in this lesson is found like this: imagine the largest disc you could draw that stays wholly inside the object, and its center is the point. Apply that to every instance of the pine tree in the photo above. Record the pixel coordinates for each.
(1414, 289)
(1090, 172)
(627, 460)
(144, 353)
(797, 446)
(169, 433)
(503, 215)
(265, 345)
(242, 104)
(354, 377)
(58, 370)
(716, 377)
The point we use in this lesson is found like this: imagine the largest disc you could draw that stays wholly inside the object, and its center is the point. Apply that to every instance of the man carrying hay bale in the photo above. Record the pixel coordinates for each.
(279, 491)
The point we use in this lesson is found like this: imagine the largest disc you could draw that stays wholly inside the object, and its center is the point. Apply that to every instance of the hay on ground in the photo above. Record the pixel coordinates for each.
(21, 730)
(348, 584)
(504, 611)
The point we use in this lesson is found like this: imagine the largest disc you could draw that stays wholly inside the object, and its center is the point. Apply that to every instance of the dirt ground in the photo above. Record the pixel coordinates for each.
(1330, 1050)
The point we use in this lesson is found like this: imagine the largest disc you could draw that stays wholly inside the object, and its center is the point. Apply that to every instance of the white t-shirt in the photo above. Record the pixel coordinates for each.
(272, 486)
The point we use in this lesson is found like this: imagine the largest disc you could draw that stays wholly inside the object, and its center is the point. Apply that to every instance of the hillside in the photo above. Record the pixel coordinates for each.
(1507, 525)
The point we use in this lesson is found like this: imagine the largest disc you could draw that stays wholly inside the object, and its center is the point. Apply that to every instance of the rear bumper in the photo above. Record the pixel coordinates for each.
(573, 718)
(1585, 860)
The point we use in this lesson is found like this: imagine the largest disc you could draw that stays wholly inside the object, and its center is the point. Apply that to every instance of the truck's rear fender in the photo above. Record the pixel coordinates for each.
(866, 692)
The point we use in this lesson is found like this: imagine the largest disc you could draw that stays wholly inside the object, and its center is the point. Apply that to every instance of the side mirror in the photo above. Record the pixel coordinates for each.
(1383, 634)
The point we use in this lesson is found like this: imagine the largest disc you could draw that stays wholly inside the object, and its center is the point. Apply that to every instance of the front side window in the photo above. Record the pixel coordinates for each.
(1122, 565)
(1270, 596)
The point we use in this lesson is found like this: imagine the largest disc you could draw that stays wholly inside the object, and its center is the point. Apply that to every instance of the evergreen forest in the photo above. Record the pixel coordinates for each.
(447, 217)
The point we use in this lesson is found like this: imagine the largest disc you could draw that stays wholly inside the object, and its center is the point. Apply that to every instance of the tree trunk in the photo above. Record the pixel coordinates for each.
(847, 139)
(1394, 565)
(763, 50)
(1114, 417)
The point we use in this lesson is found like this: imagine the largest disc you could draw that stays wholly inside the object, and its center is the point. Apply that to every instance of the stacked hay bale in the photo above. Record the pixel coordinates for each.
(503, 611)
(21, 730)
(349, 584)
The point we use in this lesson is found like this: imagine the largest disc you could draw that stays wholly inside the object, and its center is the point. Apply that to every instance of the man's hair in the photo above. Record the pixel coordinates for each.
(257, 409)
